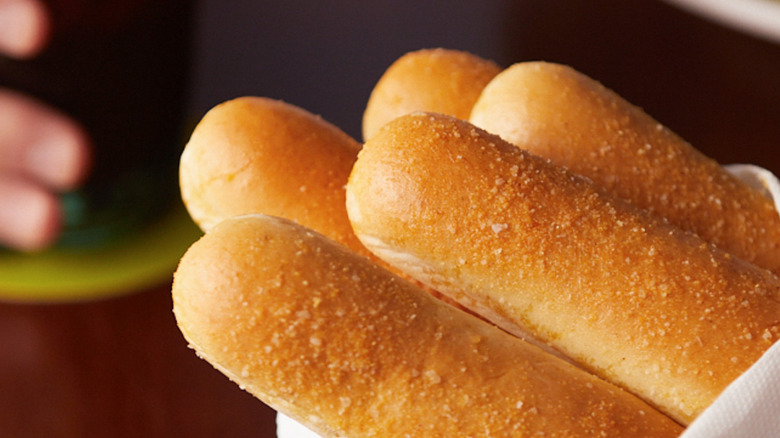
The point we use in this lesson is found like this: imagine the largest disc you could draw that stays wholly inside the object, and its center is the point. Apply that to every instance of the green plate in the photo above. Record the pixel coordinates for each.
(131, 263)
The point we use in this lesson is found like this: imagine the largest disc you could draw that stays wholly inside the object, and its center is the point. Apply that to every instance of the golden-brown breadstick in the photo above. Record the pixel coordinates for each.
(259, 155)
(350, 350)
(558, 113)
(438, 80)
(536, 248)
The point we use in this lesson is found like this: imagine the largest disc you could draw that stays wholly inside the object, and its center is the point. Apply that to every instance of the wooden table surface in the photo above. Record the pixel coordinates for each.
(114, 368)
(119, 367)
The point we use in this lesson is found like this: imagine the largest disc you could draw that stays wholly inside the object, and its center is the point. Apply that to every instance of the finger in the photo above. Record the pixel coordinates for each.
(41, 143)
(24, 27)
(30, 216)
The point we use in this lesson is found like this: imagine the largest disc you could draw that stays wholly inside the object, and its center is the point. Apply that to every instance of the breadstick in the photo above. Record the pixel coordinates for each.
(259, 155)
(537, 249)
(558, 113)
(350, 350)
(438, 80)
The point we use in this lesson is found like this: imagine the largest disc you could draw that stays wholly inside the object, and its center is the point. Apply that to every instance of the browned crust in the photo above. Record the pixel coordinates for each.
(348, 349)
(631, 298)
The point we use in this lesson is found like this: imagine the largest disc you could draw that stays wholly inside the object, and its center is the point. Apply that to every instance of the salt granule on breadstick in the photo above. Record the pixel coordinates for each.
(558, 113)
(541, 251)
(350, 350)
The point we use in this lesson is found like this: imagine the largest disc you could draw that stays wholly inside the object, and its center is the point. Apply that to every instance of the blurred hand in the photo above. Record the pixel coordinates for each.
(42, 151)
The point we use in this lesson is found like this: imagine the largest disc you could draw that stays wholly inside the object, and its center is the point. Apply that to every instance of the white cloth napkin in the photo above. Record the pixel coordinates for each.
(748, 408)
(286, 427)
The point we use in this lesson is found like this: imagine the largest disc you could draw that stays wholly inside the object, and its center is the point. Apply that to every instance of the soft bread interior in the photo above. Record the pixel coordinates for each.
(427, 274)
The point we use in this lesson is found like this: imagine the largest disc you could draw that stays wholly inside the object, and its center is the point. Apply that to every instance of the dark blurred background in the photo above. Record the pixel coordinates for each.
(327, 56)
(718, 88)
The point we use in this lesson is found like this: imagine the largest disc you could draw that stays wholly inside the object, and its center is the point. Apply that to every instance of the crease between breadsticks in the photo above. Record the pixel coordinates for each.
(643, 304)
